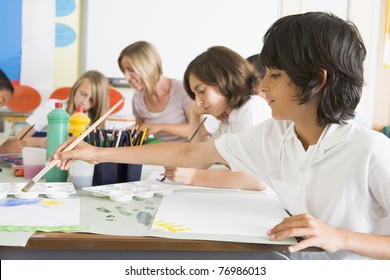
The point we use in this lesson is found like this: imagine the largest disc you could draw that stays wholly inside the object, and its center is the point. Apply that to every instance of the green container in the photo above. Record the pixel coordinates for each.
(57, 133)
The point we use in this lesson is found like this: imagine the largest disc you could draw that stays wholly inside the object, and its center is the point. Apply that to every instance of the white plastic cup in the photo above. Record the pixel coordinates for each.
(34, 160)
(81, 174)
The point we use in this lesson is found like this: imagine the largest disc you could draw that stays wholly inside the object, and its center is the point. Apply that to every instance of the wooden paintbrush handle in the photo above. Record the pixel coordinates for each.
(77, 141)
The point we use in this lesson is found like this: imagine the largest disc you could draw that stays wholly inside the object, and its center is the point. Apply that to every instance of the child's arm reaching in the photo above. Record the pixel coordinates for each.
(169, 153)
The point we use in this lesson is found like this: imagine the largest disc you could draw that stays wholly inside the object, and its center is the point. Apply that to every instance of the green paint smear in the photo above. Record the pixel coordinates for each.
(40, 228)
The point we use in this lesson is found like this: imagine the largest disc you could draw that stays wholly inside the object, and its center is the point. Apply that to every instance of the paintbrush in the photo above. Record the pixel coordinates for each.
(196, 131)
(189, 140)
(53, 163)
(28, 130)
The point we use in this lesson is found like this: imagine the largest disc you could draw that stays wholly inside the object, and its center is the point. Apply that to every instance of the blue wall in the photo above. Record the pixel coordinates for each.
(11, 37)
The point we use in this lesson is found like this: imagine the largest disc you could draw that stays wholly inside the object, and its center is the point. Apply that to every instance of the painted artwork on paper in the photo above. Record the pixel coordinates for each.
(39, 214)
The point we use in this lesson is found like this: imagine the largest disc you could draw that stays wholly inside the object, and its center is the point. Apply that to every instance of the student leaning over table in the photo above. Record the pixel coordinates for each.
(12, 145)
(225, 86)
(331, 173)
(160, 104)
(90, 91)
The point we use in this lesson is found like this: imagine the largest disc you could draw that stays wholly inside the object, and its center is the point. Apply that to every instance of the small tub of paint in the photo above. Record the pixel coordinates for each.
(144, 195)
(26, 195)
(121, 195)
(101, 191)
(57, 195)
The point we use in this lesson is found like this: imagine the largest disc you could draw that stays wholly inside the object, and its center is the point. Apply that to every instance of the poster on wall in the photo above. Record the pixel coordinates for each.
(11, 34)
(387, 37)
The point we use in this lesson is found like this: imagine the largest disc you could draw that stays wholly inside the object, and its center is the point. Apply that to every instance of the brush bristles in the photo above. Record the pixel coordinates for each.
(29, 185)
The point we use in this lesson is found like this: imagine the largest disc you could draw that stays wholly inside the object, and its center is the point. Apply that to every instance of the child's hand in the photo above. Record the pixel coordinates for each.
(83, 151)
(152, 128)
(180, 175)
(12, 146)
(315, 233)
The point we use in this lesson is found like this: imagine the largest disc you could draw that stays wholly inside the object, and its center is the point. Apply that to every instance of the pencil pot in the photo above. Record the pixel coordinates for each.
(110, 173)
(129, 172)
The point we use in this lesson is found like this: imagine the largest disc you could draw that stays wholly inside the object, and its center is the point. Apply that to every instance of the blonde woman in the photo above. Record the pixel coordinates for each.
(91, 91)
(160, 104)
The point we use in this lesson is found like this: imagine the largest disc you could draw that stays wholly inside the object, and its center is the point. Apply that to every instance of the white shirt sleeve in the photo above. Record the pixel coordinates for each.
(39, 116)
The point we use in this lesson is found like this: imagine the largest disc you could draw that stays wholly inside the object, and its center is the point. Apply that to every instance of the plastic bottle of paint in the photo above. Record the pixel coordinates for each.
(57, 133)
(78, 122)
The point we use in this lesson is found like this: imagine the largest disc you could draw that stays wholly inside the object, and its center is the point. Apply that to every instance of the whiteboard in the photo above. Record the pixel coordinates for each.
(180, 29)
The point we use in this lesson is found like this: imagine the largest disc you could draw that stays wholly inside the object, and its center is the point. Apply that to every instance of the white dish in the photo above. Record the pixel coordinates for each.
(139, 189)
(98, 194)
(26, 195)
(103, 191)
(144, 195)
(121, 196)
(57, 195)
(55, 189)
(3, 195)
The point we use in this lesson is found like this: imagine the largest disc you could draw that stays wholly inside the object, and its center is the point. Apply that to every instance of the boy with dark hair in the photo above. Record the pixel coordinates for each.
(10, 146)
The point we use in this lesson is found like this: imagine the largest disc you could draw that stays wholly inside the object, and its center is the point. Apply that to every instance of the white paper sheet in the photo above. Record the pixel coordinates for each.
(249, 213)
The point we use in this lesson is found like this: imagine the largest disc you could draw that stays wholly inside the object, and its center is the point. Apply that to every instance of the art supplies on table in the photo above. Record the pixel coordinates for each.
(111, 172)
(17, 170)
(53, 163)
(51, 190)
(101, 137)
(235, 212)
(16, 159)
(126, 191)
(78, 122)
(57, 133)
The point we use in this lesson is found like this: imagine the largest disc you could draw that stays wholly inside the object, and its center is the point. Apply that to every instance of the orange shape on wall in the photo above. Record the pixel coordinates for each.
(61, 93)
(25, 99)
(115, 96)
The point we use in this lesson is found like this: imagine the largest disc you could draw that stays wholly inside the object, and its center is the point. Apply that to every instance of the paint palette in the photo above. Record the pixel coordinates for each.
(51, 190)
(126, 191)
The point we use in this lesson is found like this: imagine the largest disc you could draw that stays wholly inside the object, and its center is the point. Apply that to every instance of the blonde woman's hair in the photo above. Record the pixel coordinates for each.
(100, 95)
(146, 62)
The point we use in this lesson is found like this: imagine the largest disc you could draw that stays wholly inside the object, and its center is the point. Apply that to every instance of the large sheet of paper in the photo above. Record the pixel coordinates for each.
(135, 218)
(39, 214)
(223, 213)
